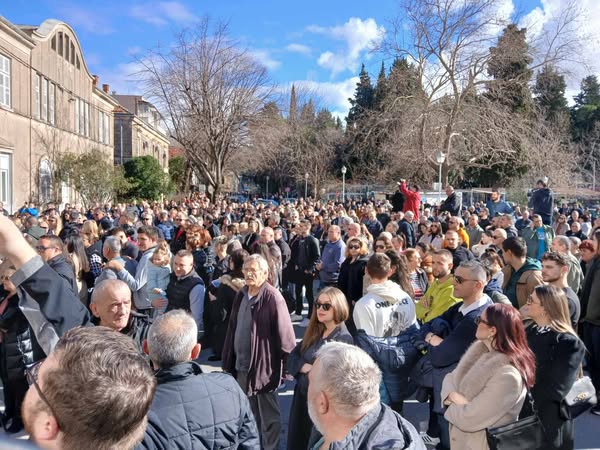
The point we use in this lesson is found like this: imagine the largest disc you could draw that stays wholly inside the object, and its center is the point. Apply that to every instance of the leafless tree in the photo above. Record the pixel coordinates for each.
(209, 88)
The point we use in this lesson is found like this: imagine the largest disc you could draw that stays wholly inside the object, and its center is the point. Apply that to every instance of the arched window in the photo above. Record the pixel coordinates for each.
(45, 181)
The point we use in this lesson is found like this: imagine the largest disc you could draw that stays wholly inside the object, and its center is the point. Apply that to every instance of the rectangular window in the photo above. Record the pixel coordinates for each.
(53, 43)
(106, 129)
(86, 131)
(4, 81)
(76, 128)
(44, 99)
(38, 99)
(52, 103)
(72, 54)
(100, 127)
(66, 47)
(60, 43)
(81, 116)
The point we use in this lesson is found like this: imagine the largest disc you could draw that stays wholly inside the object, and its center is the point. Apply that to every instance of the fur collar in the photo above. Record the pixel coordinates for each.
(476, 367)
(234, 283)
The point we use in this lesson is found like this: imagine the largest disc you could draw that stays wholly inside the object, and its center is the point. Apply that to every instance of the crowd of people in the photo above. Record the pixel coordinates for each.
(469, 309)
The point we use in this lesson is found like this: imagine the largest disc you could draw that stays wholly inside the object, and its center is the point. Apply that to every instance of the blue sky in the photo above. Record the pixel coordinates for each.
(318, 44)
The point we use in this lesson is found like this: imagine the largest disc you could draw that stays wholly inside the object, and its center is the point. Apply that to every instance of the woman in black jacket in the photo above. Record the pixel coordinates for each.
(558, 353)
(326, 324)
(18, 349)
(352, 272)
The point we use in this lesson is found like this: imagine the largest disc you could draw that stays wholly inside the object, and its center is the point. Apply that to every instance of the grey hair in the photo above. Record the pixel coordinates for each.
(565, 242)
(262, 262)
(113, 244)
(476, 270)
(100, 290)
(350, 378)
(347, 220)
(171, 338)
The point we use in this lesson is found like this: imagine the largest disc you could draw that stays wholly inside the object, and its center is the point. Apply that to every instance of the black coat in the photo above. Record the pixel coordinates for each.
(65, 269)
(558, 357)
(350, 281)
(178, 243)
(312, 252)
(398, 201)
(195, 410)
(19, 346)
(408, 231)
(451, 204)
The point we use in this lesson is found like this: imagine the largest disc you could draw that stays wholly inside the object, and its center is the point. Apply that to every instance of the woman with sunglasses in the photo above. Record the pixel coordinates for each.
(326, 325)
(558, 353)
(19, 350)
(489, 385)
(560, 225)
(352, 272)
(434, 236)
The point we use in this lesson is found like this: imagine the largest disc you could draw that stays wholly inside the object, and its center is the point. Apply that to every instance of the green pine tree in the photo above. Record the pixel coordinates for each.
(363, 98)
(549, 92)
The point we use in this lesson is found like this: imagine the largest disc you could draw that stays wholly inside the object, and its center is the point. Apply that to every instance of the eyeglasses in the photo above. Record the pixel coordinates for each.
(324, 306)
(496, 237)
(354, 247)
(41, 248)
(461, 280)
(480, 320)
(530, 301)
(32, 374)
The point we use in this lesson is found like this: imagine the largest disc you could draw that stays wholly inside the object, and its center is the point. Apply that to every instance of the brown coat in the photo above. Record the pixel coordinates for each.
(494, 389)
(528, 281)
(272, 340)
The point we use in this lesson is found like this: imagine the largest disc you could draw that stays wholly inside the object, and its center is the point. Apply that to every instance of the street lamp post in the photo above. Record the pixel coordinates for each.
(267, 188)
(344, 184)
(306, 185)
(440, 157)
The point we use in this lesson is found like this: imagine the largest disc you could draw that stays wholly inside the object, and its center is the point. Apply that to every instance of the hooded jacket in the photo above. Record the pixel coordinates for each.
(386, 310)
(520, 284)
(380, 429)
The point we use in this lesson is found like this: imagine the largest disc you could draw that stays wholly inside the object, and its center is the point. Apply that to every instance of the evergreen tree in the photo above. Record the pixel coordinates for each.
(590, 92)
(508, 65)
(549, 89)
(403, 81)
(293, 114)
(585, 114)
(325, 119)
(363, 98)
(380, 88)
(307, 113)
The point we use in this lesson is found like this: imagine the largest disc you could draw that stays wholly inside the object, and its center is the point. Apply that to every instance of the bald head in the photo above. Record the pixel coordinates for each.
(111, 304)
(267, 235)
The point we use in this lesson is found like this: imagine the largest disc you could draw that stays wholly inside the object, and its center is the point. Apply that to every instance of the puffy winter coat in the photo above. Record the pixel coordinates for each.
(195, 410)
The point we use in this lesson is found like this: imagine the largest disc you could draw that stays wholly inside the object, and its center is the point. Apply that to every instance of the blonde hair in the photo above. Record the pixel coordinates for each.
(90, 227)
(341, 312)
(555, 304)
(162, 254)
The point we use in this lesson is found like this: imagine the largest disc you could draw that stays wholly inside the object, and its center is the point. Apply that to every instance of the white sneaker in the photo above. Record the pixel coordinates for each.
(428, 440)
(304, 323)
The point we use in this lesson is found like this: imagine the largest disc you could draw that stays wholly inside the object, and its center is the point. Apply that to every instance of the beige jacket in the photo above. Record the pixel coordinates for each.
(495, 391)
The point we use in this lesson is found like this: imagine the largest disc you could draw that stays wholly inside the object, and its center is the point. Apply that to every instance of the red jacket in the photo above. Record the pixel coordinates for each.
(412, 202)
(272, 340)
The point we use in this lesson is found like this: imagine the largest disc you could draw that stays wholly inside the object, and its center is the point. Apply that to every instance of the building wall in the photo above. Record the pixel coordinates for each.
(56, 108)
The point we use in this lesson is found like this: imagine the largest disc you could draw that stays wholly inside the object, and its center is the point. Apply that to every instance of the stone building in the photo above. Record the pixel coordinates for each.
(49, 104)
(139, 131)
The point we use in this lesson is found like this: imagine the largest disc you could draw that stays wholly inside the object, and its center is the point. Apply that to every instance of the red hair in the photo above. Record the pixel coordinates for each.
(511, 340)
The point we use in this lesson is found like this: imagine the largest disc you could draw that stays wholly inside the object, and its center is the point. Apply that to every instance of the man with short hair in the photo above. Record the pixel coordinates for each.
(506, 223)
(345, 408)
(385, 310)
(352, 230)
(453, 332)
(259, 338)
(406, 227)
(538, 238)
(452, 243)
(523, 223)
(555, 269)
(111, 250)
(185, 289)
(562, 245)
(211, 226)
(413, 198)
(179, 235)
(92, 392)
(457, 224)
(496, 205)
(373, 224)
(165, 225)
(147, 237)
(52, 251)
(575, 231)
(267, 237)
(334, 254)
(128, 249)
(32, 228)
(542, 201)
(111, 307)
(305, 254)
(521, 274)
(440, 294)
(452, 203)
(474, 231)
(173, 348)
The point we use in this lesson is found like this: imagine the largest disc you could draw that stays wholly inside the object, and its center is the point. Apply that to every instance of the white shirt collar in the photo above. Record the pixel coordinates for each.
(473, 306)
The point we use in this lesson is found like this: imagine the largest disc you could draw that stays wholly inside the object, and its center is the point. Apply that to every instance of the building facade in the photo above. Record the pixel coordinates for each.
(139, 131)
(50, 104)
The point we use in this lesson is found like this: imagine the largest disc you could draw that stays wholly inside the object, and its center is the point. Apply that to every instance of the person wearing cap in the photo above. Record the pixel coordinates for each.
(542, 201)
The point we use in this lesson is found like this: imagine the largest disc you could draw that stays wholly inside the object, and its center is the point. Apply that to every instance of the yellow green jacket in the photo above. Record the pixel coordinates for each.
(441, 297)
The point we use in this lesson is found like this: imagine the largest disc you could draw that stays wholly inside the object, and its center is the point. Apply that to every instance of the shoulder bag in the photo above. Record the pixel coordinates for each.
(581, 396)
(524, 433)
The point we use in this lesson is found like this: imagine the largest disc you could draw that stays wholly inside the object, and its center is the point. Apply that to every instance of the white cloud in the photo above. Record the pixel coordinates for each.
(299, 48)
(579, 21)
(124, 78)
(356, 35)
(334, 95)
(163, 13)
(265, 58)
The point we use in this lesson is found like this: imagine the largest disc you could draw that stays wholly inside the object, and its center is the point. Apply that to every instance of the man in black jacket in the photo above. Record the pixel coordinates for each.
(305, 254)
(542, 201)
(51, 249)
(452, 202)
(191, 409)
(453, 243)
(349, 416)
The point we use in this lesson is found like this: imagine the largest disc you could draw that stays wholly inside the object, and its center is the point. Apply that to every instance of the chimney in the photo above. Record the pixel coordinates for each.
(95, 81)
(106, 88)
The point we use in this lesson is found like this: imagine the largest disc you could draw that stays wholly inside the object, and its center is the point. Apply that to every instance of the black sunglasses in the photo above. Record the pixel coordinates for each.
(354, 247)
(325, 306)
